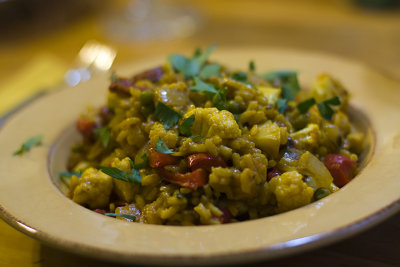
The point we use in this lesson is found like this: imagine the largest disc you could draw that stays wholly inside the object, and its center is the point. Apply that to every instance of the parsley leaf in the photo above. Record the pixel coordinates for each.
(240, 76)
(190, 67)
(219, 99)
(104, 134)
(162, 147)
(304, 106)
(184, 128)
(114, 77)
(252, 66)
(167, 115)
(30, 143)
(209, 71)
(325, 109)
(143, 164)
(116, 173)
(279, 76)
(200, 86)
(282, 105)
(126, 216)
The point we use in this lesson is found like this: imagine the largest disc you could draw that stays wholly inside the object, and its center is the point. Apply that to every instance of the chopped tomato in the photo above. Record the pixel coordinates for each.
(121, 86)
(204, 161)
(193, 180)
(342, 168)
(157, 160)
(85, 126)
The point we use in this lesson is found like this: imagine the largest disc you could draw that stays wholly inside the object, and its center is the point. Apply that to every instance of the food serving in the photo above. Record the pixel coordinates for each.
(193, 142)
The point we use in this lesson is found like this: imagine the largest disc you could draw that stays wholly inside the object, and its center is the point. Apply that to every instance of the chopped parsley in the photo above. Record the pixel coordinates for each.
(114, 77)
(219, 99)
(143, 164)
(200, 86)
(240, 76)
(126, 216)
(210, 71)
(29, 144)
(325, 109)
(304, 106)
(190, 67)
(287, 80)
(104, 134)
(116, 173)
(162, 147)
(184, 127)
(167, 115)
(252, 66)
(282, 105)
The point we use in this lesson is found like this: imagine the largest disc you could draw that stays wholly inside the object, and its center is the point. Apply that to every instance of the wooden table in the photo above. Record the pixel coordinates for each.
(332, 26)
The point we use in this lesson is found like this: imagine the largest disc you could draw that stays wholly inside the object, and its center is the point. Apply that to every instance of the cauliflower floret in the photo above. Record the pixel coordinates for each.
(170, 137)
(290, 191)
(307, 138)
(310, 165)
(327, 87)
(268, 137)
(93, 189)
(125, 191)
(211, 121)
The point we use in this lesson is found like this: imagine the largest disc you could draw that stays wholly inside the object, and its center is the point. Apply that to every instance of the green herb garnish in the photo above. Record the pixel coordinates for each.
(252, 66)
(282, 105)
(114, 77)
(209, 71)
(325, 109)
(287, 80)
(184, 127)
(240, 76)
(167, 115)
(219, 99)
(162, 147)
(30, 143)
(190, 67)
(126, 216)
(279, 75)
(116, 173)
(104, 134)
(304, 106)
(143, 164)
(200, 86)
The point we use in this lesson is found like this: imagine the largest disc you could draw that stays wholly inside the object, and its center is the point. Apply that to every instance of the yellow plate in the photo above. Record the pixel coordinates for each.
(30, 199)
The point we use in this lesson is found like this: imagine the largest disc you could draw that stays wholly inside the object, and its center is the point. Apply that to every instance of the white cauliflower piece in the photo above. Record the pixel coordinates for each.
(308, 137)
(93, 189)
(291, 191)
(211, 121)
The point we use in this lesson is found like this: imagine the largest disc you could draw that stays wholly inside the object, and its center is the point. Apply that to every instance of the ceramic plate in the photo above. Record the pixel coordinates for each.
(31, 199)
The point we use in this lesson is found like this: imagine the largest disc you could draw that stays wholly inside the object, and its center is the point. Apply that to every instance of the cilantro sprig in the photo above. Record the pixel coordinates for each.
(126, 216)
(162, 147)
(184, 127)
(167, 115)
(133, 177)
(324, 107)
(200, 86)
(68, 175)
(191, 67)
(29, 144)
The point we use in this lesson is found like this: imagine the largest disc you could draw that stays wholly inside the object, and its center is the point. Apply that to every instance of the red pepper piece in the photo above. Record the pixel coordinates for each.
(274, 172)
(342, 168)
(121, 86)
(193, 180)
(204, 161)
(85, 126)
(157, 160)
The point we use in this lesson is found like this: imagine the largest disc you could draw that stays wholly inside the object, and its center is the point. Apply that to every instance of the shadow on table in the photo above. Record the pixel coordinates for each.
(378, 246)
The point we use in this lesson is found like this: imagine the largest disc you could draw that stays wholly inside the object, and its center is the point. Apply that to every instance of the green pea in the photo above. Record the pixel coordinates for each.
(321, 193)
(233, 107)
(147, 97)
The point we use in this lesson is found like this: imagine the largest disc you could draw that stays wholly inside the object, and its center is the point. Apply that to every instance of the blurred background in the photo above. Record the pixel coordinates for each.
(44, 41)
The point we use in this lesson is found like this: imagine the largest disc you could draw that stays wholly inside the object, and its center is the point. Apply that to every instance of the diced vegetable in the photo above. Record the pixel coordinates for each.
(310, 165)
(193, 180)
(157, 160)
(268, 138)
(342, 168)
(204, 161)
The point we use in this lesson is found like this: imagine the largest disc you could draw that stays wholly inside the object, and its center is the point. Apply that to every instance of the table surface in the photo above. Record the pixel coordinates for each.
(337, 27)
